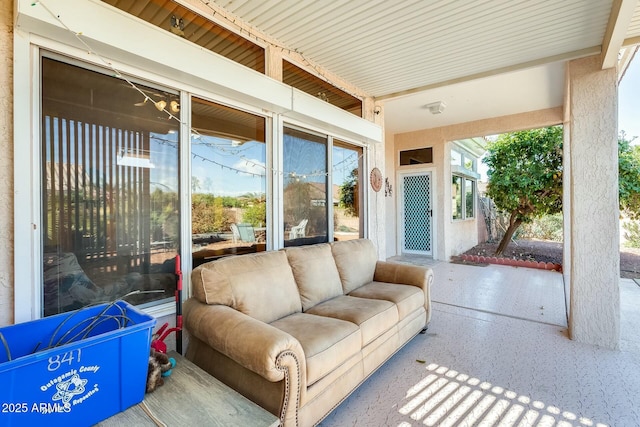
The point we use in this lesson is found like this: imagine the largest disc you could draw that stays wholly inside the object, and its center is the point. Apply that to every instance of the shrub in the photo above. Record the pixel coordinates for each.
(548, 227)
(256, 214)
(631, 234)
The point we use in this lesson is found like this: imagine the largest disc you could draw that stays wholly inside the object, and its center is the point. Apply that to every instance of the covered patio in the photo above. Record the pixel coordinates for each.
(525, 346)
(415, 75)
(497, 353)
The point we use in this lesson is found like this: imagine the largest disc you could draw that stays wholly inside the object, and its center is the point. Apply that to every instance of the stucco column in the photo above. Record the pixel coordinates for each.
(6, 162)
(593, 212)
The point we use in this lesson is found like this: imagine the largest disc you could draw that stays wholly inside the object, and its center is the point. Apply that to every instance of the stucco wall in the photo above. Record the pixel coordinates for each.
(6, 162)
(462, 236)
(453, 238)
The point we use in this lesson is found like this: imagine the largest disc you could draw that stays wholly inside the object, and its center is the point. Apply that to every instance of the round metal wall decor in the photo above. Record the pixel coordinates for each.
(376, 179)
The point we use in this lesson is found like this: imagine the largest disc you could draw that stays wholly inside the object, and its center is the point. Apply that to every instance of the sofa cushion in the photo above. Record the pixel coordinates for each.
(373, 316)
(406, 297)
(356, 262)
(327, 342)
(315, 272)
(259, 285)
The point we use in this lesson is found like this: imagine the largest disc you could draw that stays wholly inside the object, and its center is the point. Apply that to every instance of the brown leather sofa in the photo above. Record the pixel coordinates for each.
(298, 330)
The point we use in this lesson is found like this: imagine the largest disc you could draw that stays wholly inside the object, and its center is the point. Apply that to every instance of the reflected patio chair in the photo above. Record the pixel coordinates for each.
(299, 230)
(235, 232)
(245, 233)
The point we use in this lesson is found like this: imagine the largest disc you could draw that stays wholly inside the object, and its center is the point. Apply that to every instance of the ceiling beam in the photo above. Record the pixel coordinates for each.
(631, 41)
(516, 67)
(619, 20)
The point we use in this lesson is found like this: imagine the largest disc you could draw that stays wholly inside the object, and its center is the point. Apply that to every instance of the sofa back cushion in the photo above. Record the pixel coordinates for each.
(315, 272)
(356, 262)
(260, 285)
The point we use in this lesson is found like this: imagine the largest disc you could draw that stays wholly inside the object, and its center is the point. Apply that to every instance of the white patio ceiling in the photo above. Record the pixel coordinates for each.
(483, 58)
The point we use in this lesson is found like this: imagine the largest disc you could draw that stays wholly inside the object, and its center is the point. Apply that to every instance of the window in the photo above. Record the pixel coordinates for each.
(305, 188)
(456, 196)
(469, 164)
(461, 161)
(469, 197)
(110, 199)
(463, 185)
(463, 193)
(347, 191)
(416, 157)
(228, 181)
(456, 158)
(308, 204)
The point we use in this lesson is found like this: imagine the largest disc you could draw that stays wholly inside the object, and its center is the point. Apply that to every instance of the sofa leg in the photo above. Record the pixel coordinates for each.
(424, 330)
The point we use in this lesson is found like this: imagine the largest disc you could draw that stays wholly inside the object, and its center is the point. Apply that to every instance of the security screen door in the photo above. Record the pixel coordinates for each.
(416, 213)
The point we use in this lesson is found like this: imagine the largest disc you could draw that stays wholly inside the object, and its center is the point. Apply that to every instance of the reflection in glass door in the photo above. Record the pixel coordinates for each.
(305, 188)
(228, 182)
(110, 200)
(347, 191)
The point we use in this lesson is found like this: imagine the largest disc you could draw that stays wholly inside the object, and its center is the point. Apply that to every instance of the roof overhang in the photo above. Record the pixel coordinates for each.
(473, 55)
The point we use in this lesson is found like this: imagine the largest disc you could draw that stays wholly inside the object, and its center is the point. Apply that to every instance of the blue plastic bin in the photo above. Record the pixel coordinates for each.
(98, 369)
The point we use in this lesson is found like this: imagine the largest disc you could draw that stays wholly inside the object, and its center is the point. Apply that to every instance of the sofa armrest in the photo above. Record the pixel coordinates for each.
(258, 346)
(404, 274)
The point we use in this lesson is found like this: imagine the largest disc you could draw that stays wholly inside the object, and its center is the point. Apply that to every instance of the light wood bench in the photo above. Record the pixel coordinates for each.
(191, 397)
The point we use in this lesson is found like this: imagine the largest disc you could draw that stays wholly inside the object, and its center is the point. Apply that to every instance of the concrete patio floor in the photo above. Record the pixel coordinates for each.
(497, 353)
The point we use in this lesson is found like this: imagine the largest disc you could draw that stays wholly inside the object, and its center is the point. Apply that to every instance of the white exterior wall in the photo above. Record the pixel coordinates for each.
(6, 162)
(594, 210)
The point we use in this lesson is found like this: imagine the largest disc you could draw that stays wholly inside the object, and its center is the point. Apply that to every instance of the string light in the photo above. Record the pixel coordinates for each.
(116, 72)
(174, 106)
(241, 26)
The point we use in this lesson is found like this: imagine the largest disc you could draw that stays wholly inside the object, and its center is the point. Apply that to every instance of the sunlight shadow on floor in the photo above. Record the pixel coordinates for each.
(475, 368)
(508, 368)
(446, 398)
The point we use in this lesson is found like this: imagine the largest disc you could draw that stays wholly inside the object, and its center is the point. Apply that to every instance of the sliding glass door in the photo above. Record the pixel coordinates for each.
(110, 179)
(305, 188)
(228, 182)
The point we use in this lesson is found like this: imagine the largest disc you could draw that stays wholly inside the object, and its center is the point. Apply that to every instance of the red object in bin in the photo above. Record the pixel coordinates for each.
(158, 343)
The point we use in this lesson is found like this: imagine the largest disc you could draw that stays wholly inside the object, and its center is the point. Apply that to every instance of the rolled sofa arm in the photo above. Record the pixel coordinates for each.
(251, 343)
(404, 274)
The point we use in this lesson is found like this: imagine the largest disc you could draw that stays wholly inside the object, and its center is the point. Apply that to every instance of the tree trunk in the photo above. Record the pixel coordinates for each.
(513, 226)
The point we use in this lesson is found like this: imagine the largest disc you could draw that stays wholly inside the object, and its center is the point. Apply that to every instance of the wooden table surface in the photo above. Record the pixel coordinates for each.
(191, 397)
